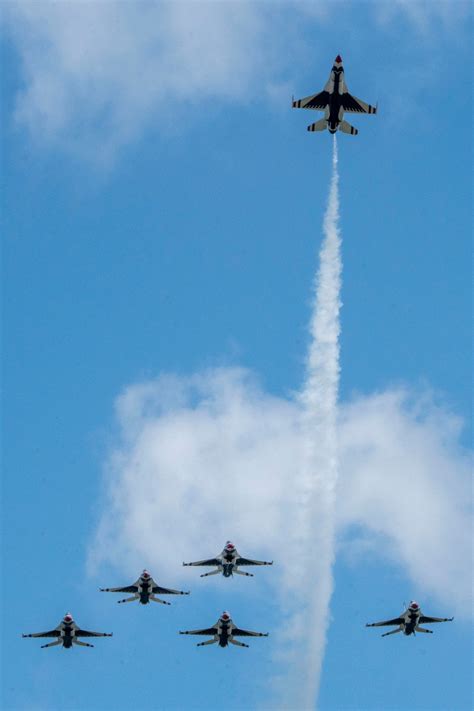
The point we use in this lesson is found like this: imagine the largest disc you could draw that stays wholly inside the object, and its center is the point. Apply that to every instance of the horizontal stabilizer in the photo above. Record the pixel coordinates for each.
(347, 128)
(320, 125)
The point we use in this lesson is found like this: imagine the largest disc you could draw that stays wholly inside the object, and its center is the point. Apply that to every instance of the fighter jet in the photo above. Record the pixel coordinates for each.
(409, 621)
(224, 632)
(67, 633)
(334, 100)
(144, 590)
(228, 562)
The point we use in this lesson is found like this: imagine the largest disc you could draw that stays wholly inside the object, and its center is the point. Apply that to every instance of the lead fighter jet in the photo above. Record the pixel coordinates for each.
(144, 590)
(67, 633)
(228, 562)
(334, 100)
(409, 621)
(224, 632)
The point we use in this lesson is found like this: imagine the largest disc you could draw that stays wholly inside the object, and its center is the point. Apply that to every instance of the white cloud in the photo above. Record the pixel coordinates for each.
(97, 74)
(187, 443)
(425, 15)
(205, 458)
(406, 480)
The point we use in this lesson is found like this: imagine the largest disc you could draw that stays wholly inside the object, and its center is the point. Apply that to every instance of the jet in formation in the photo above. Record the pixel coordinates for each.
(144, 590)
(67, 633)
(224, 632)
(334, 100)
(410, 620)
(228, 562)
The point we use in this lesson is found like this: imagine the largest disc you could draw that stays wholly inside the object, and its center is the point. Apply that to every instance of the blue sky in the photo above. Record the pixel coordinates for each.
(162, 215)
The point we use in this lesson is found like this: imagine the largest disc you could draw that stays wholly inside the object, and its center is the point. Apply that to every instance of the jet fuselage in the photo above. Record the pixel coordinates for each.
(412, 619)
(67, 635)
(144, 591)
(335, 101)
(224, 633)
(228, 562)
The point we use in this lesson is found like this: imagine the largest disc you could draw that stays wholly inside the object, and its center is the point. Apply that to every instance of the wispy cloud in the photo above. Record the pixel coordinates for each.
(407, 482)
(213, 447)
(426, 16)
(223, 453)
(96, 75)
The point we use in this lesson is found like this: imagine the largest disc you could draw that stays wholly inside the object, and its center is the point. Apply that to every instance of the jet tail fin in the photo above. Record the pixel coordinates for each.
(347, 128)
(320, 125)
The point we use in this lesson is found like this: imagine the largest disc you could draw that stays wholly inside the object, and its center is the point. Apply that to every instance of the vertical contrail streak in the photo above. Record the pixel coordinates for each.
(319, 468)
(319, 399)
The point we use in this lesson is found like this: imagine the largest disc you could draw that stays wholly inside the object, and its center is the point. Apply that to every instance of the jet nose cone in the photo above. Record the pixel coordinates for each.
(338, 59)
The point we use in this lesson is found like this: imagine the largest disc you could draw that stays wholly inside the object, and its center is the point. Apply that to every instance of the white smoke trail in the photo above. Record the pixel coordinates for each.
(319, 397)
(314, 547)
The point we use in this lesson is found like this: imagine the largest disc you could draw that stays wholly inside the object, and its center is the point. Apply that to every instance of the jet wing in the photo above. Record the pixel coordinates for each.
(209, 561)
(315, 101)
(207, 631)
(51, 633)
(353, 105)
(249, 561)
(167, 591)
(395, 621)
(126, 589)
(424, 618)
(236, 631)
(85, 633)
